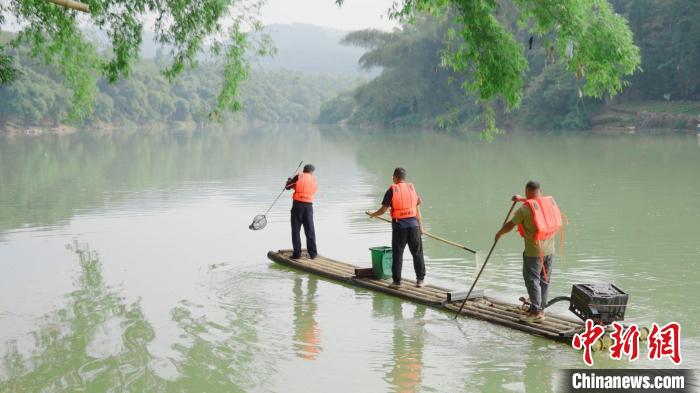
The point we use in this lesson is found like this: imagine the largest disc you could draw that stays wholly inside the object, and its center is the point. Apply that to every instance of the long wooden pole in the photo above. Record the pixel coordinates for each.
(438, 238)
(74, 5)
(484, 265)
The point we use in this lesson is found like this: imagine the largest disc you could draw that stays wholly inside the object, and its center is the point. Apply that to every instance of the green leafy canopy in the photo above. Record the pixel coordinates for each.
(594, 42)
(56, 34)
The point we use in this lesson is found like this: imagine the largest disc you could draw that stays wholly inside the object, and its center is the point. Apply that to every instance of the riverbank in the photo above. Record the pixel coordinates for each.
(623, 118)
(14, 129)
(630, 117)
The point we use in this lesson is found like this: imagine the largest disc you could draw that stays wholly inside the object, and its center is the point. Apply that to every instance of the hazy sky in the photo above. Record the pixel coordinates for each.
(353, 15)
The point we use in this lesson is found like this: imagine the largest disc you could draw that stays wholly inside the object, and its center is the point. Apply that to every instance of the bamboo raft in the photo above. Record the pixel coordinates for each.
(554, 327)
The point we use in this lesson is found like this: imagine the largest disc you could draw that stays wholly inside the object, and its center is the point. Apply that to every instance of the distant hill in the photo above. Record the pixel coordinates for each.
(311, 49)
(300, 47)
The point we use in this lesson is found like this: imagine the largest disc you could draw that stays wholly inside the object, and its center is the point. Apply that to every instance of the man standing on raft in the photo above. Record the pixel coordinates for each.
(305, 186)
(538, 221)
(406, 226)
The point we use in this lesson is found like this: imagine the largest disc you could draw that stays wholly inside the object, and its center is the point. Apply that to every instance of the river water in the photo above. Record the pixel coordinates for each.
(127, 263)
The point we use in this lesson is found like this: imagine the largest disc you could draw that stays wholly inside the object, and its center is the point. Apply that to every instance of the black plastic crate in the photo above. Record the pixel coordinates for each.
(603, 303)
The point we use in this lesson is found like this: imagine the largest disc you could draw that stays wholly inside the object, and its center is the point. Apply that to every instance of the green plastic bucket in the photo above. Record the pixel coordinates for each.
(381, 261)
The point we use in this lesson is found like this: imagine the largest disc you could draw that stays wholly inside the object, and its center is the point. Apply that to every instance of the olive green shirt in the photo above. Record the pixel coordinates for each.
(524, 216)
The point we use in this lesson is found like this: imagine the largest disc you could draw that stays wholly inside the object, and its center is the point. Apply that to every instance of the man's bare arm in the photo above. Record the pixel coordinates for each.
(379, 212)
(507, 227)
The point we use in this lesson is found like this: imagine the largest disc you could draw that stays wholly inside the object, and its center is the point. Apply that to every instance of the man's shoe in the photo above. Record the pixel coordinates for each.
(533, 317)
(419, 283)
(313, 257)
(529, 317)
(395, 285)
(295, 256)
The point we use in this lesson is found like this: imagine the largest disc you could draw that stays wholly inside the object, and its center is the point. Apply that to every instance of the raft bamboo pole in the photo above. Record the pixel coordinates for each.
(479, 310)
(338, 271)
(404, 292)
(572, 321)
(547, 322)
(427, 290)
(403, 288)
(515, 310)
(515, 323)
(307, 267)
(490, 314)
(550, 320)
(320, 266)
(491, 317)
(321, 262)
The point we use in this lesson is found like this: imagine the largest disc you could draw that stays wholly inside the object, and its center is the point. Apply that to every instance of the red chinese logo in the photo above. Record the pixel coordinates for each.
(665, 341)
(586, 339)
(626, 343)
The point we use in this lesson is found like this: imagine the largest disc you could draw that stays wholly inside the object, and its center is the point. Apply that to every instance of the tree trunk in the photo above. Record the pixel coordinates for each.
(75, 5)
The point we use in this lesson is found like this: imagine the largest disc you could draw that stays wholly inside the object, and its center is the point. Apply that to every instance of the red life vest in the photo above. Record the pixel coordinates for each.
(546, 216)
(305, 188)
(404, 201)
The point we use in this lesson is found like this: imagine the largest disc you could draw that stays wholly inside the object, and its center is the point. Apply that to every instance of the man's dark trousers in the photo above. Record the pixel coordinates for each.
(399, 238)
(303, 214)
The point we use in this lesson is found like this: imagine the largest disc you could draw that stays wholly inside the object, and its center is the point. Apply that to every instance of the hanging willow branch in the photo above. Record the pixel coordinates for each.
(75, 5)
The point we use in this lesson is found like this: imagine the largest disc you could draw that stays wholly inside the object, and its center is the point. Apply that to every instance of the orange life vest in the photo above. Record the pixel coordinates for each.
(404, 201)
(546, 216)
(305, 188)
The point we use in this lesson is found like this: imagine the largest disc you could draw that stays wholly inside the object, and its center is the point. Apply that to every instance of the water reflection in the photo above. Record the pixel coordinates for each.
(45, 180)
(405, 374)
(188, 199)
(95, 343)
(307, 333)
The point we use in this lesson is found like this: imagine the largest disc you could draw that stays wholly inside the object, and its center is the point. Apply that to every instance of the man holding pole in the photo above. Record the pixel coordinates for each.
(406, 226)
(538, 220)
(305, 186)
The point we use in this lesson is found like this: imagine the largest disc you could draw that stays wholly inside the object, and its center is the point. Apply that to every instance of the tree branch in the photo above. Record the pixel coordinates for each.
(76, 5)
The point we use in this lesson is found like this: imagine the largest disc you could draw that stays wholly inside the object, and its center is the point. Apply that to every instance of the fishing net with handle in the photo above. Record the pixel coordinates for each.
(260, 221)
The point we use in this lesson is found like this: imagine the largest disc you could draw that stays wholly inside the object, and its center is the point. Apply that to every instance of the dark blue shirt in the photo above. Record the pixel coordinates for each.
(411, 222)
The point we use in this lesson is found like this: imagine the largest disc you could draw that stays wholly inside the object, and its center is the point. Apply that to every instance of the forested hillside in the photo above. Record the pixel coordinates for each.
(38, 98)
(417, 89)
(315, 78)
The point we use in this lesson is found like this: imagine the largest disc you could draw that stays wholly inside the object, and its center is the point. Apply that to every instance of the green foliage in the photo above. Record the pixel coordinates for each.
(571, 66)
(337, 109)
(412, 88)
(51, 33)
(37, 97)
(591, 40)
(552, 102)
(480, 46)
(8, 72)
(668, 33)
(603, 51)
